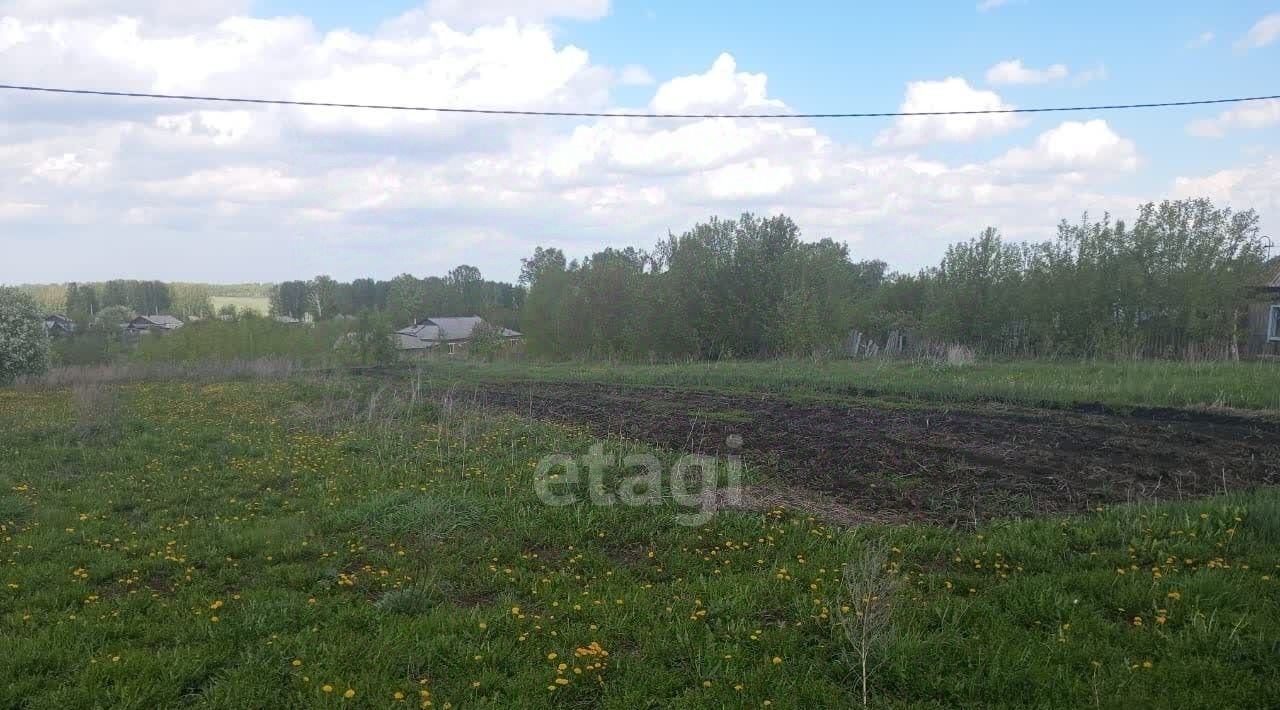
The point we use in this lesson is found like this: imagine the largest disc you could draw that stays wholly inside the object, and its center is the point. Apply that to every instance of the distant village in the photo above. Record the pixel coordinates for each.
(434, 334)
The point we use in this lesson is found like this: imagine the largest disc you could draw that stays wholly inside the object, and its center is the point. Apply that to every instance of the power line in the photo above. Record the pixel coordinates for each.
(607, 114)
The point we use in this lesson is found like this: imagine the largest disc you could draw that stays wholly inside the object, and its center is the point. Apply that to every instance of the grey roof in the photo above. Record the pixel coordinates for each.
(424, 331)
(429, 331)
(449, 328)
(162, 321)
(1271, 277)
(452, 328)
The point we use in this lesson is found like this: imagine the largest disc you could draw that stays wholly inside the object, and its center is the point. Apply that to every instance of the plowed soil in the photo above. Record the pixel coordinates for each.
(928, 463)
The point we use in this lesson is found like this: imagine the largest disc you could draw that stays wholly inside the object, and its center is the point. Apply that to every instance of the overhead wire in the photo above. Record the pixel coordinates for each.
(621, 114)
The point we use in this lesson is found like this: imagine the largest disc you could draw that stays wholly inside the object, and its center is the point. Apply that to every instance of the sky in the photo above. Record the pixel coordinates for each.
(93, 188)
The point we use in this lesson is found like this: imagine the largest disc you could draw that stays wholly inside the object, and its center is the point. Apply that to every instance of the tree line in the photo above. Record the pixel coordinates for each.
(403, 299)
(1179, 275)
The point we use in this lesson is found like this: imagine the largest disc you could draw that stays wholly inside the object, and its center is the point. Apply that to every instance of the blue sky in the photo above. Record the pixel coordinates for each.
(355, 194)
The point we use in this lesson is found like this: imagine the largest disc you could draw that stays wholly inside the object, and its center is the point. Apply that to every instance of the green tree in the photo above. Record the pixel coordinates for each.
(322, 299)
(544, 275)
(290, 298)
(24, 343)
(406, 301)
(82, 303)
(371, 341)
(109, 319)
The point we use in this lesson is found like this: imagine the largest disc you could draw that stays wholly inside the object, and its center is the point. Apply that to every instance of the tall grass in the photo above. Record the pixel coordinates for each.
(98, 408)
(865, 611)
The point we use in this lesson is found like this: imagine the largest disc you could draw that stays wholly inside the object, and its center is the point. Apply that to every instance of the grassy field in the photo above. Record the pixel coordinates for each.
(260, 305)
(321, 544)
(1243, 385)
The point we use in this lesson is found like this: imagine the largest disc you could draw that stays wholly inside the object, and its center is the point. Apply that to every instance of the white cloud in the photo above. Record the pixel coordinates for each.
(1204, 39)
(162, 11)
(229, 185)
(1255, 185)
(1097, 73)
(355, 193)
(1075, 146)
(1264, 32)
(951, 94)
(473, 13)
(222, 127)
(1012, 72)
(635, 75)
(722, 89)
(1252, 115)
(986, 5)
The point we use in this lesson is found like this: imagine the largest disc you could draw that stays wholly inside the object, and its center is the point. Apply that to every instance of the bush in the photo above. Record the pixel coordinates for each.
(370, 342)
(486, 341)
(89, 348)
(24, 343)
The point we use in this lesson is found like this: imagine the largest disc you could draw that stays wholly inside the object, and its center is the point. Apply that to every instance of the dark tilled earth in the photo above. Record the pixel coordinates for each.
(928, 463)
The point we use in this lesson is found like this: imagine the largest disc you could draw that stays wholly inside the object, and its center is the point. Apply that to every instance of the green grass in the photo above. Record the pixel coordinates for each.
(1243, 385)
(250, 545)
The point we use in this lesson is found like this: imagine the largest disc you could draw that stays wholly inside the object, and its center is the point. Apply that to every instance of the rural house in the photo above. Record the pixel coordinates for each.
(148, 324)
(57, 325)
(1264, 316)
(436, 332)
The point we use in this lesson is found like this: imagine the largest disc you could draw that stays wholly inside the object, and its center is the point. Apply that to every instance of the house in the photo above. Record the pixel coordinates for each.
(57, 325)
(1263, 338)
(440, 333)
(148, 324)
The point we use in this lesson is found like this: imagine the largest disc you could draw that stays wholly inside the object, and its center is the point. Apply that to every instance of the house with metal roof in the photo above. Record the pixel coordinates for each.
(149, 324)
(451, 333)
(57, 325)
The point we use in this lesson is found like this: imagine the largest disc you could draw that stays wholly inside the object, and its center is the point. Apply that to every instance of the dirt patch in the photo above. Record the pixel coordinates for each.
(939, 464)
